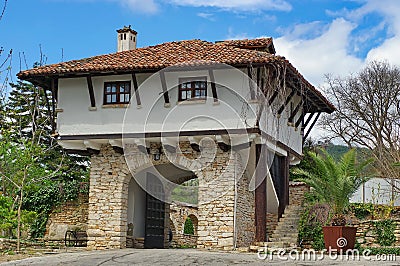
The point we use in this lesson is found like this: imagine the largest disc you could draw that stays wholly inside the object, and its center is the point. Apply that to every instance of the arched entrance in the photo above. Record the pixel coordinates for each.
(148, 202)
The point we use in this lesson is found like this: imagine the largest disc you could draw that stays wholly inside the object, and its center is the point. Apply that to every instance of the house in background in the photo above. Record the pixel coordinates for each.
(232, 114)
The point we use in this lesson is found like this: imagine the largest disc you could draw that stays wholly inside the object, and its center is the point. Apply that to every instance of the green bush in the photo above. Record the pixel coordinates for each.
(362, 210)
(382, 250)
(8, 216)
(385, 231)
(311, 230)
(188, 228)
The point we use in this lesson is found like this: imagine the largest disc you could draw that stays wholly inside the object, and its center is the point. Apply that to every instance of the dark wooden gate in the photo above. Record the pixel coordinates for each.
(155, 213)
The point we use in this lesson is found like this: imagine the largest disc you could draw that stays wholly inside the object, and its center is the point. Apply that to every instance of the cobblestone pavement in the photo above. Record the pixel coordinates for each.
(174, 257)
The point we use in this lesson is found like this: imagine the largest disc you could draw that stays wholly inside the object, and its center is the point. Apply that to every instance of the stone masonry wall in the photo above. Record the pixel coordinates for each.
(366, 235)
(108, 200)
(272, 223)
(178, 213)
(216, 170)
(297, 191)
(69, 216)
(245, 213)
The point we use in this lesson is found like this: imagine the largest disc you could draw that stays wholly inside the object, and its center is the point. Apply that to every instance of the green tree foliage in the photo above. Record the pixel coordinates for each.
(335, 182)
(189, 227)
(20, 165)
(34, 169)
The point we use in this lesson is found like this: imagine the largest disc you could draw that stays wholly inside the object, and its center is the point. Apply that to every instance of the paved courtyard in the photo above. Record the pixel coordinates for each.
(174, 257)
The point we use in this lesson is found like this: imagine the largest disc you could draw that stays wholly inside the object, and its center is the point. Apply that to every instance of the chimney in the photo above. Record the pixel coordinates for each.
(126, 39)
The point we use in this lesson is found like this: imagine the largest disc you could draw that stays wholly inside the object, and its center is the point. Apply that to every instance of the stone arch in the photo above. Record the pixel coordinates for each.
(137, 161)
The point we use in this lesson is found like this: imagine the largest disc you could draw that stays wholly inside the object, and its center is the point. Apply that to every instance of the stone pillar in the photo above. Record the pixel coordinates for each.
(245, 210)
(217, 202)
(108, 200)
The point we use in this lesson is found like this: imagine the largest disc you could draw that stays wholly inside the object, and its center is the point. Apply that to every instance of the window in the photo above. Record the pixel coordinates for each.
(192, 88)
(117, 92)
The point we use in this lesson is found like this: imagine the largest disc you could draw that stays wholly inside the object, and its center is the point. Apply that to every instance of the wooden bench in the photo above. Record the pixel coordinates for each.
(76, 239)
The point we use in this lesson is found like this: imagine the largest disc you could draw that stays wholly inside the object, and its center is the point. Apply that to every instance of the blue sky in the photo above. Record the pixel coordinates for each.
(317, 36)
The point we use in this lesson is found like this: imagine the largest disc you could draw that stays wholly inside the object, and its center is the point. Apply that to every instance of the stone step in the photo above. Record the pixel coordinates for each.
(293, 207)
(272, 244)
(289, 220)
(284, 239)
(287, 226)
(291, 214)
(284, 234)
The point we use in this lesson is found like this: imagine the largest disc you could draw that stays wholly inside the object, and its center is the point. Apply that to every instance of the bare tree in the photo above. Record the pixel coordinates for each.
(368, 113)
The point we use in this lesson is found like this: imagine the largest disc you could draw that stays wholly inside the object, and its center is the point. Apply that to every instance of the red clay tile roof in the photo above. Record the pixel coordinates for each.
(182, 53)
(156, 57)
(251, 44)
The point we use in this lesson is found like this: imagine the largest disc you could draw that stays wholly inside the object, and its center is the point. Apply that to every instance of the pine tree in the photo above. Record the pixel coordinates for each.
(28, 117)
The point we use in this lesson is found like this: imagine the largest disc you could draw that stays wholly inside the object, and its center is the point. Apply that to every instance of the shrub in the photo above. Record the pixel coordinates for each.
(385, 231)
(188, 228)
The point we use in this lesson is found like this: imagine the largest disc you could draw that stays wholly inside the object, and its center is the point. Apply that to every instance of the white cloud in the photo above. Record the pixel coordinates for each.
(208, 16)
(236, 36)
(140, 6)
(246, 5)
(324, 54)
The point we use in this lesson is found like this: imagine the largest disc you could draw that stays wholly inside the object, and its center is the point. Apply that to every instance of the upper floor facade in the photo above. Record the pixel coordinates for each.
(185, 89)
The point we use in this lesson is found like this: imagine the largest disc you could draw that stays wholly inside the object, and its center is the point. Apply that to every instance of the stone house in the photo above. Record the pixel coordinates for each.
(232, 114)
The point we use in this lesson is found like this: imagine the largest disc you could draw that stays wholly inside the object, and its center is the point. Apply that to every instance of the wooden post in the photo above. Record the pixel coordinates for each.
(251, 85)
(91, 91)
(136, 89)
(260, 195)
(213, 86)
(164, 88)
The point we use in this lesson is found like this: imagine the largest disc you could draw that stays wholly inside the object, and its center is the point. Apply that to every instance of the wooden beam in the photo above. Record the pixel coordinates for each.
(311, 127)
(273, 97)
(213, 85)
(53, 106)
(309, 119)
(260, 195)
(136, 89)
(290, 96)
(296, 109)
(91, 91)
(251, 85)
(258, 76)
(300, 120)
(164, 88)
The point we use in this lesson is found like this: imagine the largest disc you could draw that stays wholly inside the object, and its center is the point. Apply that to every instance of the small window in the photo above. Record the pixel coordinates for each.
(192, 88)
(118, 92)
(124, 36)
